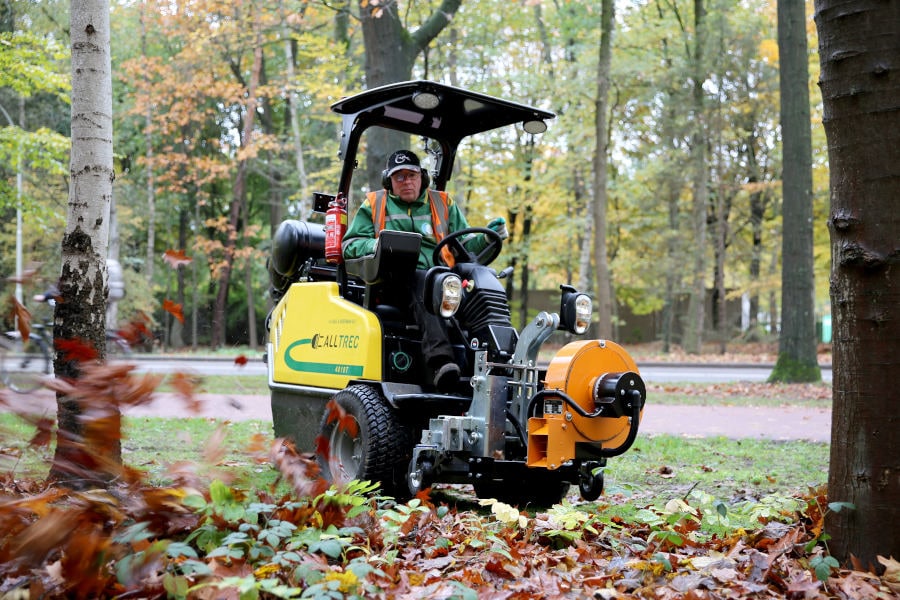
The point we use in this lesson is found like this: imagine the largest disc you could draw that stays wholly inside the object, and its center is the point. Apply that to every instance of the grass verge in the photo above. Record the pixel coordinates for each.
(671, 466)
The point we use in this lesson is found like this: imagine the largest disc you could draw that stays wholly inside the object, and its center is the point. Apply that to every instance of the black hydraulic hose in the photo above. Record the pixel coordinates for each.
(604, 452)
(565, 398)
(632, 431)
(512, 419)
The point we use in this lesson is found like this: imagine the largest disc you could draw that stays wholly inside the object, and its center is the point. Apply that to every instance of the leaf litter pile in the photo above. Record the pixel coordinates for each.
(211, 537)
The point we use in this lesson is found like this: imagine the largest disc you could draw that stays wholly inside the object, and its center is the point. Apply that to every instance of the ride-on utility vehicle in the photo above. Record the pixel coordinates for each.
(514, 428)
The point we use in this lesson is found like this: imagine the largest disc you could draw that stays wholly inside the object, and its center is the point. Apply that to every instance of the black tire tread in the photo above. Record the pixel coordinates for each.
(387, 440)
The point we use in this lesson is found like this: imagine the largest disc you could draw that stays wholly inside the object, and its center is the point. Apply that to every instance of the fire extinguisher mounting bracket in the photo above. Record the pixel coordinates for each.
(321, 201)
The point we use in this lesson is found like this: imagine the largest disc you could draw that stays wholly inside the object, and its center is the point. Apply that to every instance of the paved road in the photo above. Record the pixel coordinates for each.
(652, 372)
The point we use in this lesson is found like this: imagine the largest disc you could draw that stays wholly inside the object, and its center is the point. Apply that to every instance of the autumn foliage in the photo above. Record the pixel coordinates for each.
(210, 537)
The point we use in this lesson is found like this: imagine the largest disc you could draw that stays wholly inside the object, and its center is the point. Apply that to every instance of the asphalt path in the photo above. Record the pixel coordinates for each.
(651, 372)
(737, 422)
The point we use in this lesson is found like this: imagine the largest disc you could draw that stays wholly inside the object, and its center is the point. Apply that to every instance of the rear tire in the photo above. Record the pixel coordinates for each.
(380, 449)
(25, 364)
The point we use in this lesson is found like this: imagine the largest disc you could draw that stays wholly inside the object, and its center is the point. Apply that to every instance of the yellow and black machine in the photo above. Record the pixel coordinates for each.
(515, 428)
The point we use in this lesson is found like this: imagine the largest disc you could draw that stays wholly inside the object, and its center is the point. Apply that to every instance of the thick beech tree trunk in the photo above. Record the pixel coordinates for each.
(391, 51)
(81, 313)
(859, 49)
(797, 343)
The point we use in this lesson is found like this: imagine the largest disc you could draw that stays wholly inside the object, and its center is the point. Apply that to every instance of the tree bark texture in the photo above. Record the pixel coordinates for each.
(81, 314)
(797, 343)
(693, 334)
(859, 50)
(391, 51)
(239, 198)
(603, 291)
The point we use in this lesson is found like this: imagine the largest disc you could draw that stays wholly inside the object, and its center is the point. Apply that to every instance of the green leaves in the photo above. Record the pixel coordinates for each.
(31, 64)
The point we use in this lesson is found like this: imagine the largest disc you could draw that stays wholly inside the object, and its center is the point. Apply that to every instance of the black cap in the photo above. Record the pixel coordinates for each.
(402, 160)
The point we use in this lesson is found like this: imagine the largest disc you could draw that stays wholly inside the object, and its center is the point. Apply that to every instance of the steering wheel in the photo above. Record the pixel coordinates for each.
(462, 254)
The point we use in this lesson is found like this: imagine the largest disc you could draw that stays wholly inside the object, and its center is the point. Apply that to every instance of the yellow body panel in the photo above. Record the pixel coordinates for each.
(320, 339)
(574, 370)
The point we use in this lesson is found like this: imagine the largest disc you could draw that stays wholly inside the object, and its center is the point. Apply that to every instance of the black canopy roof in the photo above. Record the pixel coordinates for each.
(439, 112)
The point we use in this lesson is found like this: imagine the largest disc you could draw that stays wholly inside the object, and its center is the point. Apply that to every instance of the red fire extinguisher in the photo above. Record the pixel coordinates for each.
(335, 228)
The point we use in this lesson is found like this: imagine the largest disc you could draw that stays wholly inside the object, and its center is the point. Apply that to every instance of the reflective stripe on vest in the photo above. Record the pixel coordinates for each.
(440, 216)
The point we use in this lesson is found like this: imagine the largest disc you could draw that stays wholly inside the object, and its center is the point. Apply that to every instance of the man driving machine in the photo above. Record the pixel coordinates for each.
(407, 204)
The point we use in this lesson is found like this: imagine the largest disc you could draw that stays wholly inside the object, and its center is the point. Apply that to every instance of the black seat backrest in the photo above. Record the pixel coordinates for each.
(396, 257)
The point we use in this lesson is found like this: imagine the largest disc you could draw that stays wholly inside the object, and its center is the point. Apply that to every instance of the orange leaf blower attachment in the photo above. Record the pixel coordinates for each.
(590, 407)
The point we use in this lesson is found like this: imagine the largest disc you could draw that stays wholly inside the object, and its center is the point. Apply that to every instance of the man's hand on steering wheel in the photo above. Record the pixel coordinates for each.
(462, 254)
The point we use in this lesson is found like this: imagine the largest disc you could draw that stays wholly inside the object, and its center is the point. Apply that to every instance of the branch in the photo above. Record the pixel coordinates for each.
(436, 23)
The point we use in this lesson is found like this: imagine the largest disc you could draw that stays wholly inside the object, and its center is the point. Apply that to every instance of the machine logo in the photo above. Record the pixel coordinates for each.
(333, 340)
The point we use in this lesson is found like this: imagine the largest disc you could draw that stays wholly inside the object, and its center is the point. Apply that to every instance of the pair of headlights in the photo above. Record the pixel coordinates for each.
(575, 308)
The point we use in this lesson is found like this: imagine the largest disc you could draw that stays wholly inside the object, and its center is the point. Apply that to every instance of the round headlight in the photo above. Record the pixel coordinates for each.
(583, 310)
(451, 295)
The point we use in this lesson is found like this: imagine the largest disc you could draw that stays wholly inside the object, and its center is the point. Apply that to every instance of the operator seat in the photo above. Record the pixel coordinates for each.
(386, 275)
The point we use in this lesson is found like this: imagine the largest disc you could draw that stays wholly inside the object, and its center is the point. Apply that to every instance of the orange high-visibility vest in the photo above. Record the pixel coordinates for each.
(440, 216)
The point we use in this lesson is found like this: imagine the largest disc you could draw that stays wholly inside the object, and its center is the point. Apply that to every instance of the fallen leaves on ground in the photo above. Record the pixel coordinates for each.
(203, 537)
(788, 392)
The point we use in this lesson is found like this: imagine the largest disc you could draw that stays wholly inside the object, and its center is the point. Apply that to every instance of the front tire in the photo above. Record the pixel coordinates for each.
(379, 449)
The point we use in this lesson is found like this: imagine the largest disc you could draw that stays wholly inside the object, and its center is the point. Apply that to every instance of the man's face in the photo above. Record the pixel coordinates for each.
(406, 184)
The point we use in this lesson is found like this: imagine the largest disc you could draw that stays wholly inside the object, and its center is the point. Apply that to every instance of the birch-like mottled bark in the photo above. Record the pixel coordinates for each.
(81, 314)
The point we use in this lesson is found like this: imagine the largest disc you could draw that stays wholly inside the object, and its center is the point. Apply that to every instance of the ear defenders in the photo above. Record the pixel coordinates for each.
(386, 181)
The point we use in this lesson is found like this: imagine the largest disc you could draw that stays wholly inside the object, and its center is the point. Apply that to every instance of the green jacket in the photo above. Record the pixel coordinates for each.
(405, 216)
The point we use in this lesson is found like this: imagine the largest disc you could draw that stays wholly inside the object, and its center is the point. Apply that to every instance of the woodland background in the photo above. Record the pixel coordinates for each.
(188, 158)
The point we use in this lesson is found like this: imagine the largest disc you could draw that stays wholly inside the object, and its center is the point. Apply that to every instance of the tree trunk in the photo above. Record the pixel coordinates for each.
(277, 210)
(511, 215)
(758, 202)
(693, 334)
(797, 344)
(603, 291)
(148, 153)
(523, 291)
(238, 199)
(81, 314)
(391, 51)
(859, 51)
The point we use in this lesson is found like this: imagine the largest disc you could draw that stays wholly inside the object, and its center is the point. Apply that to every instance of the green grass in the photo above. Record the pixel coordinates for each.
(731, 470)
(157, 446)
(251, 385)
